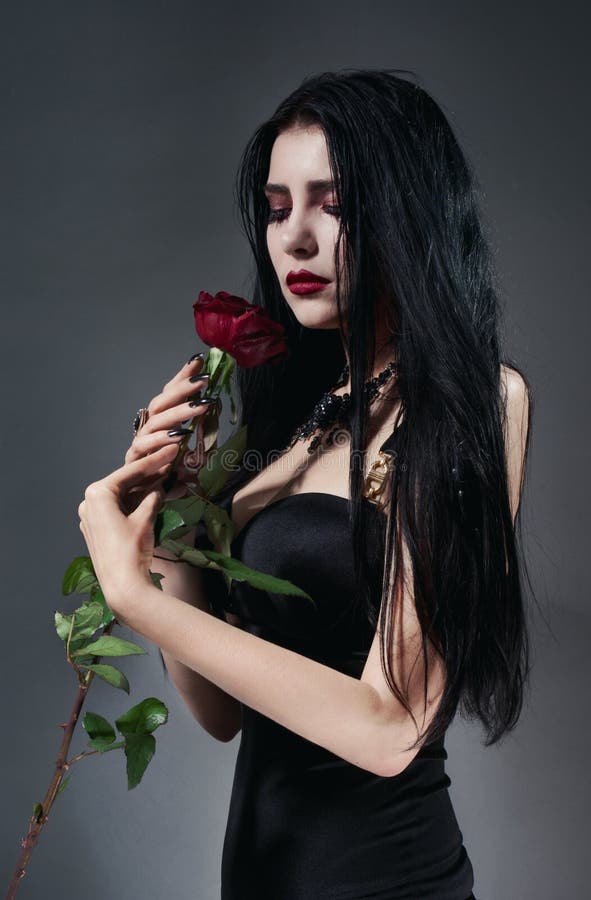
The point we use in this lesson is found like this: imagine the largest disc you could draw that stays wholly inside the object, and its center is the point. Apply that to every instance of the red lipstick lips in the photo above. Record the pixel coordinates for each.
(305, 282)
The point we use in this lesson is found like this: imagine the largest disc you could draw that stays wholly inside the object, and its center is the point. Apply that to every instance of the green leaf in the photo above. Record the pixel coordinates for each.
(218, 465)
(143, 718)
(139, 750)
(104, 745)
(236, 569)
(110, 674)
(220, 528)
(157, 579)
(79, 577)
(87, 619)
(177, 517)
(97, 595)
(62, 624)
(98, 728)
(168, 521)
(107, 645)
(188, 553)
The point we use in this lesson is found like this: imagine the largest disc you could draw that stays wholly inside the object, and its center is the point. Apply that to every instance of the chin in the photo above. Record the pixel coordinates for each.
(314, 313)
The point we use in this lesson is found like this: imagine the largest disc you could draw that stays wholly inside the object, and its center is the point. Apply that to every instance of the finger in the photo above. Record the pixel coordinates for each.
(171, 420)
(180, 385)
(194, 365)
(174, 407)
(147, 510)
(137, 471)
(149, 443)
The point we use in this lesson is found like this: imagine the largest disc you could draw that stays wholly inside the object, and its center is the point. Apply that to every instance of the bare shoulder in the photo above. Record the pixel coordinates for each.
(514, 389)
(516, 402)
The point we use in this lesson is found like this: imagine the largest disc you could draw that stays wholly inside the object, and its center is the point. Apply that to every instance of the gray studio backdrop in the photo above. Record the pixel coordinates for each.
(122, 127)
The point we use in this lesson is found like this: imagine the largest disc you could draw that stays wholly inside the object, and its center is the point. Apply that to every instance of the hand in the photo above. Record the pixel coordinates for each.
(120, 533)
(167, 411)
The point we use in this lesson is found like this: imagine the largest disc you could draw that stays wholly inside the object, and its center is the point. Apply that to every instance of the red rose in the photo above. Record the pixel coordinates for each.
(240, 328)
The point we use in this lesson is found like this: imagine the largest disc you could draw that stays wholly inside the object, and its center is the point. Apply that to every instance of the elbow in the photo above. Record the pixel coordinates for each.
(389, 764)
(225, 736)
(391, 751)
(384, 766)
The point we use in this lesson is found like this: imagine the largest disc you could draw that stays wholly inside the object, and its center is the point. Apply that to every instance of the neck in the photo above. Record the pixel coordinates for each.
(385, 353)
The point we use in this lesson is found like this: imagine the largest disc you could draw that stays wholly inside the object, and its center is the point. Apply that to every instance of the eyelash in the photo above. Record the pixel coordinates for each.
(275, 214)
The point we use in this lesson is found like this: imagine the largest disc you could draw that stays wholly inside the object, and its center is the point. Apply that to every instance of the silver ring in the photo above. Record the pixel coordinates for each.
(140, 419)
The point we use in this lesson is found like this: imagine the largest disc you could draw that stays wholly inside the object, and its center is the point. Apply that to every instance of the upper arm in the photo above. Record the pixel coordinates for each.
(516, 399)
(407, 662)
(408, 668)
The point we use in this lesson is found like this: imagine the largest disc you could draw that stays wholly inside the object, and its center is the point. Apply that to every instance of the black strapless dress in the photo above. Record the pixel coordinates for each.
(303, 823)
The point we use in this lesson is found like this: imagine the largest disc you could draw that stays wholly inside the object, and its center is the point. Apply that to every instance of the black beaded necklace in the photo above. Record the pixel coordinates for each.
(332, 409)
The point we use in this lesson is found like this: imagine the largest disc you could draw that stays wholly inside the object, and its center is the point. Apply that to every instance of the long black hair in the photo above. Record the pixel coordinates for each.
(414, 239)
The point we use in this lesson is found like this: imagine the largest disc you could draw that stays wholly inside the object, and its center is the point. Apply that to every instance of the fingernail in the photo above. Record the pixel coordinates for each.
(177, 432)
(202, 402)
(195, 378)
(196, 356)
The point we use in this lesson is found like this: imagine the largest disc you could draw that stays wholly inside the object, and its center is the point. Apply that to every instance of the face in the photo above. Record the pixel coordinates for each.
(303, 225)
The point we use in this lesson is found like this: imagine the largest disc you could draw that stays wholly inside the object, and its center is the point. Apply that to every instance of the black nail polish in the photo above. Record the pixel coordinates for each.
(177, 432)
(196, 356)
(202, 402)
(195, 378)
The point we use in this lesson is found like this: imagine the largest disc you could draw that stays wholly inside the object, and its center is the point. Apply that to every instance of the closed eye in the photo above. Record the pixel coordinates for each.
(278, 215)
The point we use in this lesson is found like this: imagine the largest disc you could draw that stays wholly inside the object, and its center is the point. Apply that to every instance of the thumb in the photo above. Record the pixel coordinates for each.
(147, 510)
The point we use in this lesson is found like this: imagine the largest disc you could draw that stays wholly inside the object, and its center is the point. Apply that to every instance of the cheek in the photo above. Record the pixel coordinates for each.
(272, 247)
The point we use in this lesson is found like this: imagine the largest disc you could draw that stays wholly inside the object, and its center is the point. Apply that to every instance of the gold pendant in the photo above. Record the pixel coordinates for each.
(376, 477)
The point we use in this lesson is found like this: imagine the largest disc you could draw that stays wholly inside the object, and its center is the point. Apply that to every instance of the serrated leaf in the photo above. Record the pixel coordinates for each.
(237, 570)
(104, 745)
(97, 595)
(87, 619)
(143, 718)
(180, 549)
(98, 728)
(168, 521)
(107, 645)
(139, 750)
(177, 517)
(110, 674)
(79, 573)
(62, 624)
(220, 528)
(217, 469)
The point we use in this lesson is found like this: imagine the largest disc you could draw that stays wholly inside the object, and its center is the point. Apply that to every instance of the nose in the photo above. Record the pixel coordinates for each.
(297, 236)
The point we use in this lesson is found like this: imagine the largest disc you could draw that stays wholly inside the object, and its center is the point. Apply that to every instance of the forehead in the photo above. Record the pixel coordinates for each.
(299, 159)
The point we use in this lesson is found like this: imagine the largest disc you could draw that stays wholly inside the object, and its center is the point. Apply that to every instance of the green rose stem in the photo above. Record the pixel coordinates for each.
(84, 651)
(41, 810)
(138, 723)
(219, 365)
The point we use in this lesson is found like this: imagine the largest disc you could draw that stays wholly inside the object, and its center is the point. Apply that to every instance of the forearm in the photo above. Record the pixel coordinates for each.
(215, 710)
(338, 712)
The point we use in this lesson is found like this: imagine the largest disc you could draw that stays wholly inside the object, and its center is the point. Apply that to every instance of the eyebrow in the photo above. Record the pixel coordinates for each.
(318, 184)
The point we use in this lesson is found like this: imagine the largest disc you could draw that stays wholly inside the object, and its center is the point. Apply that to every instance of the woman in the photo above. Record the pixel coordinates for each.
(357, 188)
